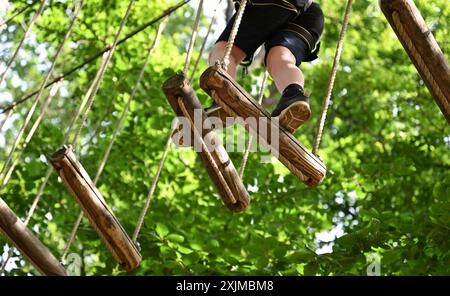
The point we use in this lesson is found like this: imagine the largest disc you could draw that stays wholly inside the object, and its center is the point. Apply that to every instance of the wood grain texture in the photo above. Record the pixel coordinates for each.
(27, 243)
(422, 48)
(177, 131)
(177, 87)
(237, 102)
(95, 208)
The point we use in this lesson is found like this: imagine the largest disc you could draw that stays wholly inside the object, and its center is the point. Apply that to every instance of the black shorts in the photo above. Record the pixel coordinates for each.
(276, 26)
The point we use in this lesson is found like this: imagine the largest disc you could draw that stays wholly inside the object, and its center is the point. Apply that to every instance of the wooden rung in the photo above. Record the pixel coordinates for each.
(422, 48)
(30, 246)
(95, 208)
(236, 198)
(237, 102)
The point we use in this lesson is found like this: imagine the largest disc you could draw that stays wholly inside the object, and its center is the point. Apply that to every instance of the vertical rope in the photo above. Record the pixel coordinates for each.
(33, 129)
(17, 13)
(193, 37)
(250, 139)
(146, 206)
(233, 34)
(151, 191)
(5, 119)
(101, 72)
(116, 131)
(41, 89)
(202, 48)
(337, 59)
(27, 32)
(52, 93)
(128, 104)
(94, 89)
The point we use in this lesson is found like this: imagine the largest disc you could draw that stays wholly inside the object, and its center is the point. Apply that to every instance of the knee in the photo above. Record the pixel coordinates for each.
(279, 56)
(237, 54)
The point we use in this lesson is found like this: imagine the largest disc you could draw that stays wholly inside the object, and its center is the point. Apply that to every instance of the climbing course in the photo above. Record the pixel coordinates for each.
(220, 168)
(238, 103)
(235, 102)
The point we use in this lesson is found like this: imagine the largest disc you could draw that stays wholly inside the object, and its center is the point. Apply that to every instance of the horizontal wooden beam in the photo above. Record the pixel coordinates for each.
(219, 166)
(422, 48)
(27, 243)
(95, 208)
(238, 103)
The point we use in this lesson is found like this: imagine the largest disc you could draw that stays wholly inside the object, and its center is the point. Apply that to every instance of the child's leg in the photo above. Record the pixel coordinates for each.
(258, 24)
(281, 64)
(237, 55)
(285, 51)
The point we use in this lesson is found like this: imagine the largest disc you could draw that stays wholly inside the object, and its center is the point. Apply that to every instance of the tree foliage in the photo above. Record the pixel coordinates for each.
(386, 146)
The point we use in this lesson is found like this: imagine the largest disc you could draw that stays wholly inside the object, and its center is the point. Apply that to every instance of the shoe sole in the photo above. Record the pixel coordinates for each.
(295, 115)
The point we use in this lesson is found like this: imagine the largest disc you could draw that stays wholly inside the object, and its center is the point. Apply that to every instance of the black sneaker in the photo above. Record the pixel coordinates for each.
(293, 109)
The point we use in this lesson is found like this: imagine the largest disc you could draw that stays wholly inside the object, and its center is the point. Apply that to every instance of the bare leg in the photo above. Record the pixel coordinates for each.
(282, 68)
(292, 111)
(237, 55)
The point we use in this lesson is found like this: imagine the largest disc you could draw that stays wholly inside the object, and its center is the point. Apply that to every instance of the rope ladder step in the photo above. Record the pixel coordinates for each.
(219, 166)
(101, 217)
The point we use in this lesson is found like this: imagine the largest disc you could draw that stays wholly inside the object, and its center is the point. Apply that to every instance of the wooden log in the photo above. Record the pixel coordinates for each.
(237, 102)
(422, 48)
(30, 246)
(177, 131)
(236, 198)
(95, 208)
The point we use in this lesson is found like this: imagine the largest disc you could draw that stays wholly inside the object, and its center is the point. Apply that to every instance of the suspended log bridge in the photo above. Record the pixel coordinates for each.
(28, 244)
(95, 208)
(238, 103)
(422, 48)
(220, 168)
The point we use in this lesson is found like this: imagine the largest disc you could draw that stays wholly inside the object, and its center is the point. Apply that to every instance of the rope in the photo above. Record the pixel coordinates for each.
(337, 58)
(18, 12)
(52, 93)
(151, 191)
(30, 25)
(421, 63)
(5, 119)
(202, 48)
(8, 175)
(101, 52)
(39, 94)
(205, 149)
(233, 34)
(250, 139)
(193, 37)
(117, 129)
(27, 140)
(146, 206)
(94, 89)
